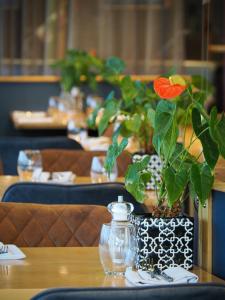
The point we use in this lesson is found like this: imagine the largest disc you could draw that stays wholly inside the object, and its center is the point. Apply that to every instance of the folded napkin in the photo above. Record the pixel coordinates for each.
(179, 275)
(91, 143)
(57, 177)
(34, 120)
(13, 253)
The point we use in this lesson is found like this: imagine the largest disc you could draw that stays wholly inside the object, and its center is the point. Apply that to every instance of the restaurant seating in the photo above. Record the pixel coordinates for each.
(10, 147)
(94, 194)
(79, 162)
(195, 291)
(36, 225)
(218, 233)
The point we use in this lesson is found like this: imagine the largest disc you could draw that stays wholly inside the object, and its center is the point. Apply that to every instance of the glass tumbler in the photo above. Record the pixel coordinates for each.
(29, 165)
(98, 172)
(117, 248)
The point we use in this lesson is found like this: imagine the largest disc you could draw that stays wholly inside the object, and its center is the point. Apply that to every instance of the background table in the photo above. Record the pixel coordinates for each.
(60, 267)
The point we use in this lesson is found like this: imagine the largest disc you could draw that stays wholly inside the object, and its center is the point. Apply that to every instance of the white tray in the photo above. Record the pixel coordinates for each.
(13, 253)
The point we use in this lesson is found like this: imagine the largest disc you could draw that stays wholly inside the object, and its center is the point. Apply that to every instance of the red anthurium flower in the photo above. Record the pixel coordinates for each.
(171, 87)
(93, 52)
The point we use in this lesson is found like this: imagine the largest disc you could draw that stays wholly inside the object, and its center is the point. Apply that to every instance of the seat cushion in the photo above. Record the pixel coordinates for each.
(78, 161)
(51, 225)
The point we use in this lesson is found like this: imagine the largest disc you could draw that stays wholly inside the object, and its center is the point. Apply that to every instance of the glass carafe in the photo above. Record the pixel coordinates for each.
(117, 247)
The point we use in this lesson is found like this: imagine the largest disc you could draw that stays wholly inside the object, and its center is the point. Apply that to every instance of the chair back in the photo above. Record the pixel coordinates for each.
(41, 225)
(10, 147)
(94, 194)
(79, 162)
(208, 291)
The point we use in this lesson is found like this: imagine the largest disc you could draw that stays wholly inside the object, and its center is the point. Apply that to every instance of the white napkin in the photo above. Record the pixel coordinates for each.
(58, 177)
(91, 143)
(180, 275)
(13, 253)
(63, 176)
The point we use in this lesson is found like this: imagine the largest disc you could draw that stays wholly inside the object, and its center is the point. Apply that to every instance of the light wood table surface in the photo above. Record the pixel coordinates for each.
(31, 120)
(60, 267)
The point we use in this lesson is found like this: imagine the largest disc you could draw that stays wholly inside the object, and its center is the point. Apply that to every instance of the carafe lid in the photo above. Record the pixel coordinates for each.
(120, 209)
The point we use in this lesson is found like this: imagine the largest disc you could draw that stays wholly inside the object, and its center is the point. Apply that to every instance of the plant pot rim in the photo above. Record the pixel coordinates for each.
(149, 215)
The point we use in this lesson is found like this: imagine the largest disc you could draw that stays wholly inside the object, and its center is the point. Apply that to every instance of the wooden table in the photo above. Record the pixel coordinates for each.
(60, 267)
(31, 120)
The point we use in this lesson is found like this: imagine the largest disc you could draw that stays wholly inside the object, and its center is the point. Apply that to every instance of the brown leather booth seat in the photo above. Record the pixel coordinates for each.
(41, 225)
(77, 161)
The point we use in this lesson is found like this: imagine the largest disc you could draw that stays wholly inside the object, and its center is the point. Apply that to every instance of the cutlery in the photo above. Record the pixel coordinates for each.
(162, 274)
(4, 249)
(151, 269)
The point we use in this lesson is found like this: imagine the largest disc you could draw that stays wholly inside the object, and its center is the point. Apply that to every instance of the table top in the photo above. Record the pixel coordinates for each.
(41, 120)
(48, 267)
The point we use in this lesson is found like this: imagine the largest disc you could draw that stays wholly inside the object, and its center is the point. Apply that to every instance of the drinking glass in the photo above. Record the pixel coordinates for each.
(98, 172)
(53, 106)
(29, 165)
(115, 261)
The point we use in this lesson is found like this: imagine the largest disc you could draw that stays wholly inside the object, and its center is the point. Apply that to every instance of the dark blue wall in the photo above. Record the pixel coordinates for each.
(23, 96)
(30, 96)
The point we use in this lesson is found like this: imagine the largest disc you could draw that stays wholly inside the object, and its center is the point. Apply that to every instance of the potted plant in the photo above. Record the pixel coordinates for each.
(78, 67)
(110, 73)
(165, 238)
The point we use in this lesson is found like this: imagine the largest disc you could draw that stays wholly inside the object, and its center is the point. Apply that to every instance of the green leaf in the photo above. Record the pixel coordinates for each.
(151, 116)
(114, 151)
(137, 177)
(134, 123)
(128, 90)
(175, 183)
(165, 130)
(181, 156)
(115, 65)
(169, 141)
(110, 110)
(217, 130)
(91, 120)
(164, 117)
(201, 181)
(210, 148)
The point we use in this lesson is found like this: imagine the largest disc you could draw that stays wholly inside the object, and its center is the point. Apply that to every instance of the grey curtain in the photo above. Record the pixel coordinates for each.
(148, 34)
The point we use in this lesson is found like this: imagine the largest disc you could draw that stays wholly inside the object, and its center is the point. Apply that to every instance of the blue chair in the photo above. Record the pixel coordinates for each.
(196, 291)
(218, 233)
(10, 147)
(45, 193)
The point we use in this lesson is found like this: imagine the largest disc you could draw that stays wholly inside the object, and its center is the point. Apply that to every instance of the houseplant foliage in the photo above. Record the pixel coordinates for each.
(180, 168)
(78, 66)
(131, 112)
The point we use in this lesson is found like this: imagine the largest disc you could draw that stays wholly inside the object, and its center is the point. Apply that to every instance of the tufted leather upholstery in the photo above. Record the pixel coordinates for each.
(10, 147)
(79, 162)
(39, 225)
(95, 194)
(195, 291)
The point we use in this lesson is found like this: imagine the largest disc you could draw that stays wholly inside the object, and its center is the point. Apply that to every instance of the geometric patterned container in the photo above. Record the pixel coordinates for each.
(164, 242)
(154, 166)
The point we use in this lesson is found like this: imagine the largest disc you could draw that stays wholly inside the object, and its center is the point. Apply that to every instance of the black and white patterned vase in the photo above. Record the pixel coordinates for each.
(164, 242)
(154, 166)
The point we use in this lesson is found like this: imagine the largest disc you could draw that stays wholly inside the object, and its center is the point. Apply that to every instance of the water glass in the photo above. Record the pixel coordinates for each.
(53, 106)
(29, 165)
(117, 255)
(98, 172)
